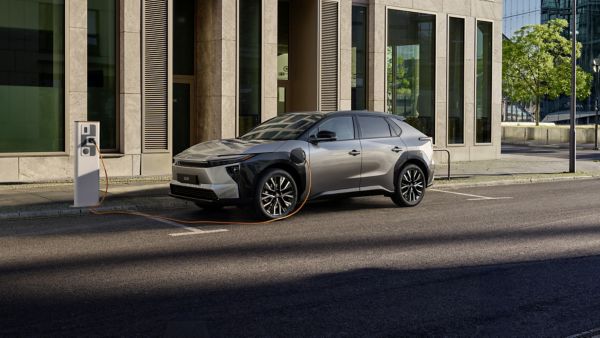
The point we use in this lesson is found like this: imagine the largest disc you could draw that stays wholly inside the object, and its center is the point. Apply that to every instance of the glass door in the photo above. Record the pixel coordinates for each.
(182, 115)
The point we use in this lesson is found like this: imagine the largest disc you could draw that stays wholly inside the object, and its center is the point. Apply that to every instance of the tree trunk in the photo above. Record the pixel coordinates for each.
(537, 112)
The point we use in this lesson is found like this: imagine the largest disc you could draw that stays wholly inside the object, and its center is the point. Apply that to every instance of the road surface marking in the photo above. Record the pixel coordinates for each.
(198, 232)
(474, 197)
(190, 230)
(591, 333)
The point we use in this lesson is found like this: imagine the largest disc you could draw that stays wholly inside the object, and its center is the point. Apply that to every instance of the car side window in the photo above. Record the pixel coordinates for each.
(342, 126)
(396, 130)
(374, 127)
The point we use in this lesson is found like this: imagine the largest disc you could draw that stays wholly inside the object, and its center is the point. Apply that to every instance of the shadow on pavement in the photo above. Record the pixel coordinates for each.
(534, 299)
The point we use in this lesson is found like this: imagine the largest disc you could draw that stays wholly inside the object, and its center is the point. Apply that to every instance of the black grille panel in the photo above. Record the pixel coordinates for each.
(193, 164)
(203, 194)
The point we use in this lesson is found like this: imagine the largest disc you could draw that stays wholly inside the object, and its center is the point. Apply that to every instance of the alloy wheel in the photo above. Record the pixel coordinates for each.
(412, 185)
(278, 195)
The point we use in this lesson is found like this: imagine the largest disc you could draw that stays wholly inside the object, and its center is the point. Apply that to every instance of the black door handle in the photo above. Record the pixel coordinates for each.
(396, 149)
(354, 153)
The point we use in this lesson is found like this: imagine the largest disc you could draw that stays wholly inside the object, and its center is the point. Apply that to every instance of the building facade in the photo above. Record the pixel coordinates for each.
(161, 75)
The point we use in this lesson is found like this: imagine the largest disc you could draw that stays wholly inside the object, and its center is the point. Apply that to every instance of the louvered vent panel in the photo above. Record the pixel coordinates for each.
(156, 121)
(329, 56)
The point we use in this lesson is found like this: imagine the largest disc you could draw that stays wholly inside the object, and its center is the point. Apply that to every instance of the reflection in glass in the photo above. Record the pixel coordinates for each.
(359, 57)
(249, 91)
(342, 126)
(411, 68)
(283, 127)
(32, 77)
(483, 104)
(283, 50)
(283, 39)
(456, 80)
(181, 117)
(183, 37)
(102, 69)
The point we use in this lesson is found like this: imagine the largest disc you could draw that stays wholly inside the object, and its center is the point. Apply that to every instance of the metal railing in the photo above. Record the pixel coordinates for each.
(447, 152)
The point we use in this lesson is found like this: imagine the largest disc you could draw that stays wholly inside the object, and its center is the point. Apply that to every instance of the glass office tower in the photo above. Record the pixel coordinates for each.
(519, 13)
(588, 28)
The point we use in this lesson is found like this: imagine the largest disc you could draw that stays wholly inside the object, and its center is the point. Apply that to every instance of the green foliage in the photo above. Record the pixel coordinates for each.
(400, 82)
(537, 63)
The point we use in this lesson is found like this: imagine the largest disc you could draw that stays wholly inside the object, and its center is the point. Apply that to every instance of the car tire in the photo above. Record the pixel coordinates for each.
(276, 194)
(410, 187)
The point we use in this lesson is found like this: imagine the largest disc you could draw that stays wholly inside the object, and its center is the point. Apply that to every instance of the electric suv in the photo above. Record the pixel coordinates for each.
(347, 153)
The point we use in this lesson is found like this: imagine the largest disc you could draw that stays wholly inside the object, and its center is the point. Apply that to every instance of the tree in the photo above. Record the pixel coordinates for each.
(537, 63)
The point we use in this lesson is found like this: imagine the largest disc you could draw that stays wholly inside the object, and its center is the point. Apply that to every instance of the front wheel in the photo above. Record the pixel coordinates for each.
(410, 188)
(276, 194)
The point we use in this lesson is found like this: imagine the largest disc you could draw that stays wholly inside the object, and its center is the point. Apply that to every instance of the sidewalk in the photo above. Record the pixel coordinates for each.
(522, 164)
(55, 199)
(518, 164)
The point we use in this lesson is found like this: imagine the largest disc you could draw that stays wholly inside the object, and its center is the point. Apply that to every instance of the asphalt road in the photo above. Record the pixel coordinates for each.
(518, 260)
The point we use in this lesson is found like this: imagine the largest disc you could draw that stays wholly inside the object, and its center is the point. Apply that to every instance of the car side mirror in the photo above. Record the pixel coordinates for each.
(323, 136)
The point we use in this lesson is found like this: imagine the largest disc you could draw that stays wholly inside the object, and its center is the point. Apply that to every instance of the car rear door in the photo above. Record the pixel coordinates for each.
(381, 149)
(336, 165)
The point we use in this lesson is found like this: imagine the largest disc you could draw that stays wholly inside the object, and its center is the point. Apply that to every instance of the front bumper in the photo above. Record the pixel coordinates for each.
(206, 184)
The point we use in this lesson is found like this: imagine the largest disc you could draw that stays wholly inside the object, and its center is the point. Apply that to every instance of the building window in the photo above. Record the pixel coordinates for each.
(249, 91)
(410, 60)
(283, 51)
(184, 31)
(32, 76)
(102, 70)
(359, 57)
(483, 104)
(456, 80)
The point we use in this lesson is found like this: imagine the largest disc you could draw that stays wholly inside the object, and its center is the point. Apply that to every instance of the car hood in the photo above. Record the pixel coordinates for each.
(211, 149)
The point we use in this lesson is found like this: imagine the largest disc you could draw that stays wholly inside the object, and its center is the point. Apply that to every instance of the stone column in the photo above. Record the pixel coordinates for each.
(216, 78)
(441, 82)
(130, 81)
(345, 70)
(269, 60)
(377, 51)
(76, 67)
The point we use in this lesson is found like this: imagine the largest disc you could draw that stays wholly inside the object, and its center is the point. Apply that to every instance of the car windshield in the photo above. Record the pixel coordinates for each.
(284, 127)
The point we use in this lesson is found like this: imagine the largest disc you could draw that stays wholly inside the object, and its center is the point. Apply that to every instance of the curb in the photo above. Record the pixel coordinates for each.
(155, 203)
(510, 181)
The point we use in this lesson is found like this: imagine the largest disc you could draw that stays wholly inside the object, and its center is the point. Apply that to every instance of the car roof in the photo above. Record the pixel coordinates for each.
(349, 112)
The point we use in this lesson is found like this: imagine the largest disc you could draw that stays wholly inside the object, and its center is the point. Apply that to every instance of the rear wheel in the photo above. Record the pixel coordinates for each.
(410, 188)
(276, 194)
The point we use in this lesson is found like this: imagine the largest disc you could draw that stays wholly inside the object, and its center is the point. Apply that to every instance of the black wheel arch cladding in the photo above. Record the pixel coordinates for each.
(416, 157)
(251, 170)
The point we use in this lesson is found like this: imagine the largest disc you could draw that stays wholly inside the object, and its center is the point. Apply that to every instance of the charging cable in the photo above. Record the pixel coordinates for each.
(95, 210)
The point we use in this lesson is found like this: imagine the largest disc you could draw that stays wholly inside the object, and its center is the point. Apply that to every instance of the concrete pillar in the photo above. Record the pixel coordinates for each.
(377, 52)
(345, 69)
(130, 81)
(216, 78)
(76, 66)
(269, 60)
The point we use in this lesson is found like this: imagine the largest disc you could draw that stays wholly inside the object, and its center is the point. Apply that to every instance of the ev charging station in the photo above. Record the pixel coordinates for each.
(87, 164)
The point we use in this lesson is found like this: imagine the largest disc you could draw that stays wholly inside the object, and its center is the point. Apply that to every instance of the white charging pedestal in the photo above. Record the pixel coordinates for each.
(87, 164)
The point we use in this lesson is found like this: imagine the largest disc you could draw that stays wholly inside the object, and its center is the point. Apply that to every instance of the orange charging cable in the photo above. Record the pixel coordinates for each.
(95, 210)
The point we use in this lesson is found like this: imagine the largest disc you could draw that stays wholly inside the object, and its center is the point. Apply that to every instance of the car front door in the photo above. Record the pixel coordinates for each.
(335, 165)
(381, 149)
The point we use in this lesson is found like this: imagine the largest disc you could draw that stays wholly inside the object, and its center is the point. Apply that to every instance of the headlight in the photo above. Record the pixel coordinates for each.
(229, 159)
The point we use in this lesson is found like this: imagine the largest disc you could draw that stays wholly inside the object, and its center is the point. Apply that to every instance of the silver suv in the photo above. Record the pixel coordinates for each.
(348, 153)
